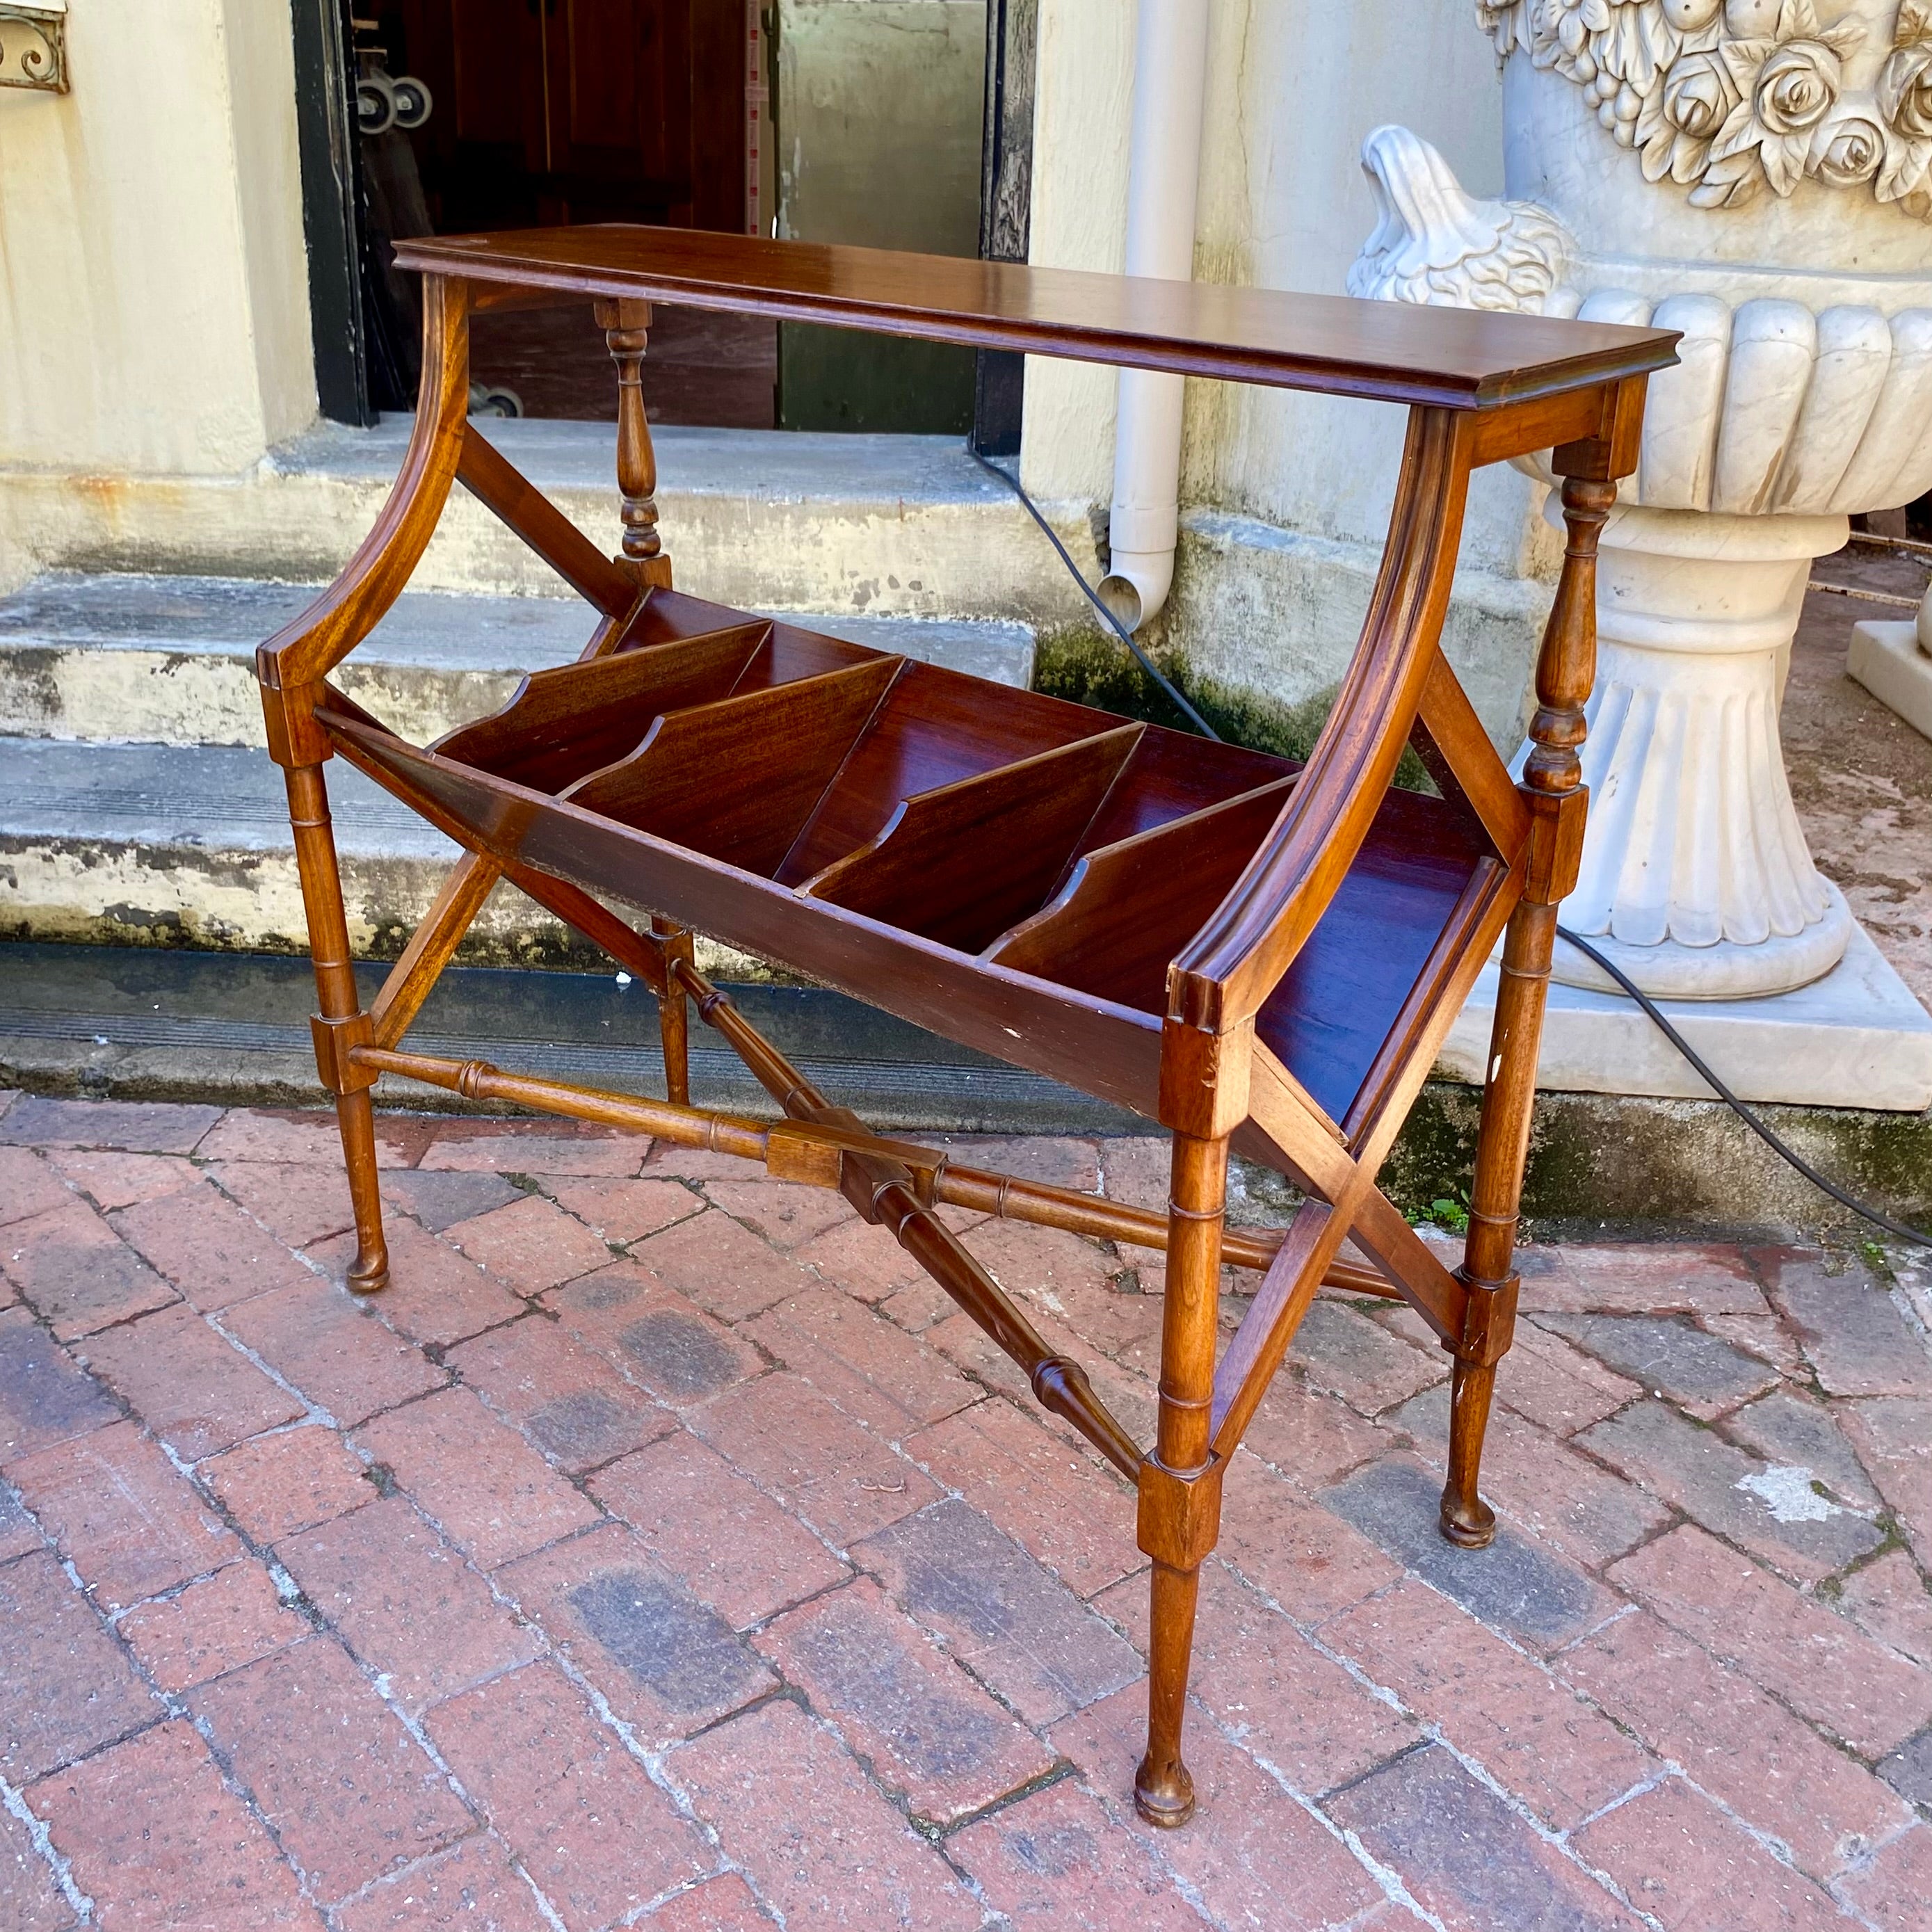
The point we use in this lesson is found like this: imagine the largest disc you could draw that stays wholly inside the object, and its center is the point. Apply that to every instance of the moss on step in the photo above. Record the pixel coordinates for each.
(1086, 667)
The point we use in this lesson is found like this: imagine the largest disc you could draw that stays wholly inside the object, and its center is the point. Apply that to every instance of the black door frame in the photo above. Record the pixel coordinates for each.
(1006, 206)
(331, 177)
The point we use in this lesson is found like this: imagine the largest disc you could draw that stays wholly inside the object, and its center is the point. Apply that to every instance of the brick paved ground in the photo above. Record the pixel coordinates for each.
(661, 1547)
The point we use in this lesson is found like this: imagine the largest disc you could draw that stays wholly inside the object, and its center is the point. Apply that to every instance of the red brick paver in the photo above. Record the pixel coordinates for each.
(927, 1728)
(156, 1839)
(599, 1837)
(492, 1494)
(835, 1853)
(217, 1625)
(1682, 1861)
(77, 1272)
(406, 1603)
(1056, 1859)
(291, 1480)
(1742, 1746)
(662, 1550)
(191, 1385)
(119, 1511)
(350, 1793)
(1818, 1662)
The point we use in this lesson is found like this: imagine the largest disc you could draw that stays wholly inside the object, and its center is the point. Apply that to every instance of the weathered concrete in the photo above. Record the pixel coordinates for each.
(1279, 611)
(158, 1024)
(171, 846)
(170, 660)
(850, 525)
(832, 526)
(1855, 1038)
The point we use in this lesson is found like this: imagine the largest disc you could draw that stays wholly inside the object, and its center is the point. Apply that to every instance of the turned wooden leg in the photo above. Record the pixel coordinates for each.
(340, 1023)
(674, 1013)
(1488, 1269)
(1163, 1787)
(1466, 1519)
(355, 1118)
(1553, 789)
(1179, 1485)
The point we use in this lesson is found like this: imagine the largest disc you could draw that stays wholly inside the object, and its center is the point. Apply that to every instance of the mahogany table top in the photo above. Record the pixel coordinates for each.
(1447, 358)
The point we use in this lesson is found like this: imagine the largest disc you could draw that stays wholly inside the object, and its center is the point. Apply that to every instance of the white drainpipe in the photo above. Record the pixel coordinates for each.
(1163, 183)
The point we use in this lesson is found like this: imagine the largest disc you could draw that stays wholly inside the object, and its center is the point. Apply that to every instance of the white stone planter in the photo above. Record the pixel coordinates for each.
(1751, 173)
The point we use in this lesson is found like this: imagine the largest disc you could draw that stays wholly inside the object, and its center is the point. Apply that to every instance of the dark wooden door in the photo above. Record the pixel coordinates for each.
(555, 111)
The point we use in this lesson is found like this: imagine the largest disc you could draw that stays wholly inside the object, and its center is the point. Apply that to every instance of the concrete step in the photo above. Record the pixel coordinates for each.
(865, 525)
(189, 845)
(169, 661)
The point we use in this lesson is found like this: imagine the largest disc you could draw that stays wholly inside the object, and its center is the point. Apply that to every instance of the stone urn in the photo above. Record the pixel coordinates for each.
(1756, 174)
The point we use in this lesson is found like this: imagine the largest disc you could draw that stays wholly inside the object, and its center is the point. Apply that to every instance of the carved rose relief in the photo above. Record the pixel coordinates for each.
(1730, 98)
(1905, 102)
(1682, 117)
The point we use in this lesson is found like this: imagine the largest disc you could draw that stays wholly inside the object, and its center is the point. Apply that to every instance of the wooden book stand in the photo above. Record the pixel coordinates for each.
(1257, 955)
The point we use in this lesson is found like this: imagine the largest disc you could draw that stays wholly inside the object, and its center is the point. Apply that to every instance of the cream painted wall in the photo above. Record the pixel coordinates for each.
(154, 295)
(1293, 87)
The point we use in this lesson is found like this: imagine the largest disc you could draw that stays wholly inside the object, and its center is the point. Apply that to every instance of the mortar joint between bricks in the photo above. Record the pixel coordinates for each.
(244, 1794)
(14, 1801)
(1058, 1772)
(1387, 1876)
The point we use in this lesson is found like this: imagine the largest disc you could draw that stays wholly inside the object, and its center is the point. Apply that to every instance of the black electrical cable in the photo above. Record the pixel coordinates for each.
(1781, 1147)
(1119, 630)
(1750, 1119)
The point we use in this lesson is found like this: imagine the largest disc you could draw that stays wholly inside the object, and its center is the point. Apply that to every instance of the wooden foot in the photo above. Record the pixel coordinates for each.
(1163, 1790)
(1180, 1495)
(369, 1273)
(1466, 1519)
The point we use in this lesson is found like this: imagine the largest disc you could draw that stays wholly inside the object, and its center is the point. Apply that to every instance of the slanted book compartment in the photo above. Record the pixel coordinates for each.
(1027, 834)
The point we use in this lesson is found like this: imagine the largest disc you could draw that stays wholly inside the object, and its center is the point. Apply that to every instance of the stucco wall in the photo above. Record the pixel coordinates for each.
(154, 301)
(1293, 87)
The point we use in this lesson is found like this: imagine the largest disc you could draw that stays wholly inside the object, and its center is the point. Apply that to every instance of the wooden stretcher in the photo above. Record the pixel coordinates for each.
(1257, 955)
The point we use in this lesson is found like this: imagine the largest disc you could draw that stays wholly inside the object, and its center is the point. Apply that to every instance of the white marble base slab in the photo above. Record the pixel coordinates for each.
(1856, 1038)
(1886, 659)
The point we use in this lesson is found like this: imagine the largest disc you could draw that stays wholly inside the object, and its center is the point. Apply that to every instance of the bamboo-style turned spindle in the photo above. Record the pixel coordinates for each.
(626, 326)
(1566, 668)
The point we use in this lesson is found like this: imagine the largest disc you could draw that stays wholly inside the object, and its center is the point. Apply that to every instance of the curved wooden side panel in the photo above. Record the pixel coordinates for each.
(1238, 957)
(311, 646)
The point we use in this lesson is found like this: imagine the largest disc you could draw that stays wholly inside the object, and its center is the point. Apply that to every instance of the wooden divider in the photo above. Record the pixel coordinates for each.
(737, 779)
(963, 862)
(1130, 907)
(564, 723)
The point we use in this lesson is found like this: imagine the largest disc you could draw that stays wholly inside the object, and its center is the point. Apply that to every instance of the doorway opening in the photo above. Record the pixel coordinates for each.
(477, 115)
(907, 123)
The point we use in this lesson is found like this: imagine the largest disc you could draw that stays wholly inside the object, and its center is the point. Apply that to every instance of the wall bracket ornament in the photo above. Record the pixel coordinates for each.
(33, 46)
(1730, 98)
